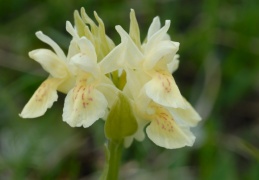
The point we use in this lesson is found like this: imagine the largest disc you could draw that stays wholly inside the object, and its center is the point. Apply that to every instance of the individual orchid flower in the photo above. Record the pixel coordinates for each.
(160, 53)
(165, 131)
(60, 78)
(93, 92)
(153, 59)
(166, 127)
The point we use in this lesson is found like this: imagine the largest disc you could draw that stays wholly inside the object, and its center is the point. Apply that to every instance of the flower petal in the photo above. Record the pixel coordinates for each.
(154, 27)
(163, 90)
(87, 48)
(84, 105)
(134, 29)
(73, 49)
(161, 49)
(52, 43)
(135, 81)
(164, 131)
(174, 64)
(71, 30)
(110, 92)
(67, 84)
(85, 63)
(158, 46)
(110, 62)
(186, 116)
(157, 36)
(132, 55)
(177, 138)
(124, 55)
(50, 62)
(42, 99)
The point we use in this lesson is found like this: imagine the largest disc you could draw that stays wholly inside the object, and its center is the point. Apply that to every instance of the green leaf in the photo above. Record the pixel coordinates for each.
(121, 121)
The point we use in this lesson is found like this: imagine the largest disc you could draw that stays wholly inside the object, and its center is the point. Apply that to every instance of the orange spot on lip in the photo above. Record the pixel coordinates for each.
(168, 81)
(157, 121)
(164, 118)
(79, 88)
(75, 96)
(164, 114)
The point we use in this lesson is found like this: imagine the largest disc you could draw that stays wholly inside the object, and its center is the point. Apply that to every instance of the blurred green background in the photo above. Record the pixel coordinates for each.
(218, 74)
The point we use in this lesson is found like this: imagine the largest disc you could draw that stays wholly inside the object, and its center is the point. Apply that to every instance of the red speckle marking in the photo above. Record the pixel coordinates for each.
(163, 118)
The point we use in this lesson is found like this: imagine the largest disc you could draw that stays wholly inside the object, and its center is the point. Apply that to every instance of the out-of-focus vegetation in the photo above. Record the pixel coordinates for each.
(219, 74)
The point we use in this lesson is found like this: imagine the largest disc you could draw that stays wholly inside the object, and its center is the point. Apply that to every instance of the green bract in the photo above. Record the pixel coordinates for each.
(121, 121)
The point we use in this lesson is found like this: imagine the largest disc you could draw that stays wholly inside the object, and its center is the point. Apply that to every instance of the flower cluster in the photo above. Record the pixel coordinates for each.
(95, 71)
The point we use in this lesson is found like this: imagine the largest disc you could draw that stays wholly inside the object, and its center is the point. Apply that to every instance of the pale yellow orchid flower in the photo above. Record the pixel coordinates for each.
(60, 78)
(166, 127)
(154, 59)
(93, 93)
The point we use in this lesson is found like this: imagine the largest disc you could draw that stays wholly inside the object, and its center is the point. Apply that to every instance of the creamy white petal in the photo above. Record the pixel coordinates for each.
(110, 62)
(159, 51)
(187, 116)
(71, 30)
(73, 49)
(87, 48)
(135, 81)
(164, 131)
(174, 64)
(158, 46)
(50, 62)
(132, 55)
(67, 84)
(42, 99)
(52, 43)
(154, 27)
(82, 53)
(84, 105)
(177, 138)
(163, 90)
(110, 92)
(157, 37)
(85, 63)
(125, 55)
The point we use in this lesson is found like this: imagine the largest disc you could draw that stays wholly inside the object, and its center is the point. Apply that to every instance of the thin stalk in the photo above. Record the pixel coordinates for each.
(115, 151)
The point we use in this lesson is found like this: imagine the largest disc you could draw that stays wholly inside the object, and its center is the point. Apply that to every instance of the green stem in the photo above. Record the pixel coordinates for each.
(115, 150)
